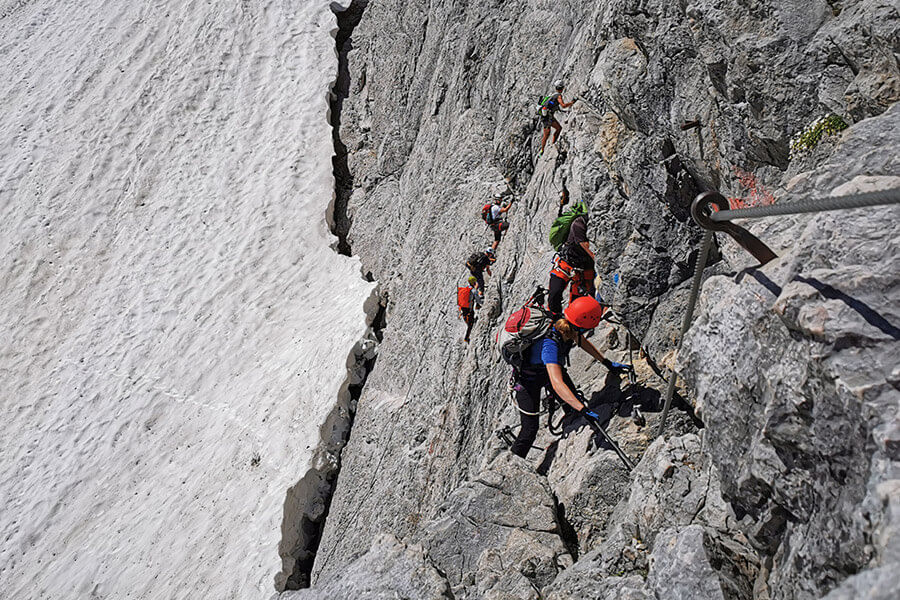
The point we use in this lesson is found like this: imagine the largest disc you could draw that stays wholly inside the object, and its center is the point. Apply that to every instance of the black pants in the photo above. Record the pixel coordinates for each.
(555, 293)
(468, 316)
(582, 286)
(479, 277)
(528, 396)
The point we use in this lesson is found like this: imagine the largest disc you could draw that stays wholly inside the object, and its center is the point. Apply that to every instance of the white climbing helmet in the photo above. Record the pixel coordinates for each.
(559, 84)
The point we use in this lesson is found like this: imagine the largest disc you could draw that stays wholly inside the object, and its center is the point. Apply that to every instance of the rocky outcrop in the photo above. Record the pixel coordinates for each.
(800, 397)
(390, 569)
(498, 535)
(674, 520)
(787, 491)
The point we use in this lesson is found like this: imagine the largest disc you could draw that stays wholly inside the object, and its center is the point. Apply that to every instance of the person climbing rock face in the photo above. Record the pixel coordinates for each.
(545, 369)
(478, 263)
(495, 220)
(469, 300)
(573, 264)
(549, 105)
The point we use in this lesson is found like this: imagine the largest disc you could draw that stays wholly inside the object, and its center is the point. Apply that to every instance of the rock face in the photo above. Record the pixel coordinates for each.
(388, 570)
(498, 535)
(800, 399)
(789, 491)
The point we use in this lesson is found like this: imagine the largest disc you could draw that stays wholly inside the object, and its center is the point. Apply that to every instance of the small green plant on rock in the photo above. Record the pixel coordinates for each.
(810, 137)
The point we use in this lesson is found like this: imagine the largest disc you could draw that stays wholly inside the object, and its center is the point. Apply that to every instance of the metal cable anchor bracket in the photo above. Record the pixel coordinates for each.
(702, 213)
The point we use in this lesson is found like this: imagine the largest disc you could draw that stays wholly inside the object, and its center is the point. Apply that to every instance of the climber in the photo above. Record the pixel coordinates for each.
(492, 213)
(563, 198)
(548, 106)
(478, 263)
(545, 369)
(574, 261)
(468, 301)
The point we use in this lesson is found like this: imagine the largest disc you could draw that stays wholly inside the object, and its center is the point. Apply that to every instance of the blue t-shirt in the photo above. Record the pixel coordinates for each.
(549, 351)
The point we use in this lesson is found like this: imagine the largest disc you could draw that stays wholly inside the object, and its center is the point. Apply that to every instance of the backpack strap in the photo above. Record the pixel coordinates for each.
(557, 337)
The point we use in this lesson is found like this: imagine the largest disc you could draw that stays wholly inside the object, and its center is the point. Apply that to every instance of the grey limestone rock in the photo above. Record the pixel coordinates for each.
(875, 584)
(387, 571)
(794, 369)
(497, 536)
(631, 587)
(674, 490)
(680, 569)
(699, 562)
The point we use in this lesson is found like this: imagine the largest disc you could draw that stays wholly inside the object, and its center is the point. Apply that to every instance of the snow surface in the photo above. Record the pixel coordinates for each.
(170, 306)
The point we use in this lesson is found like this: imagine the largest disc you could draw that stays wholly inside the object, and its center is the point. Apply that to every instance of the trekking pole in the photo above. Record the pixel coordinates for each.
(625, 460)
(597, 429)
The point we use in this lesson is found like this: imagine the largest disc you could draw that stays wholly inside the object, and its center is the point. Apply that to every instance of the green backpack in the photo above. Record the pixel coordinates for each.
(559, 231)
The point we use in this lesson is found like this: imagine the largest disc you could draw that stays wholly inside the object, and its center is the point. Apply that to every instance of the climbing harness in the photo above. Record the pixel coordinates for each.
(511, 389)
(564, 270)
(574, 277)
(557, 430)
(548, 406)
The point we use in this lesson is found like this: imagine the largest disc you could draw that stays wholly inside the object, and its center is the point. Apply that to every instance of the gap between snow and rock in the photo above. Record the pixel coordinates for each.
(307, 502)
(339, 219)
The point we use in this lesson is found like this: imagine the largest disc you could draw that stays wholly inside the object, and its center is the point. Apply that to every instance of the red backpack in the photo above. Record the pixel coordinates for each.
(486, 213)
(464, 297)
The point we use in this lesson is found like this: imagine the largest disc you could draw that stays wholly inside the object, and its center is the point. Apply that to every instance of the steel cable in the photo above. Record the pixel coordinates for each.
(848, 201)
(860, 200)
(686, 323)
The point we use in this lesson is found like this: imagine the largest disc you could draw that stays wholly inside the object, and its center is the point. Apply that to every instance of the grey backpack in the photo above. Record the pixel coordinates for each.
(523, 329)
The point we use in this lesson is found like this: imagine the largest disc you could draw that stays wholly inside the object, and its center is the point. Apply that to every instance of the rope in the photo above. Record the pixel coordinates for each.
(686, 323)
(860, 200)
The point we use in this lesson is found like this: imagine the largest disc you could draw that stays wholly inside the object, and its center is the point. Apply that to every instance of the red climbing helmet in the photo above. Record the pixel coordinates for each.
(584, 312)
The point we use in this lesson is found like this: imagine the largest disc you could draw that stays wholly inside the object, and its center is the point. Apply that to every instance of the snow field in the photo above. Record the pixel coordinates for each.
(175, 325)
